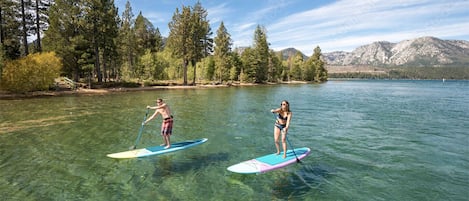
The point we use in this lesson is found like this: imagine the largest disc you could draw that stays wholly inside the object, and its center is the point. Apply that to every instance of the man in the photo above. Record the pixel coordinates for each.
(167, 125)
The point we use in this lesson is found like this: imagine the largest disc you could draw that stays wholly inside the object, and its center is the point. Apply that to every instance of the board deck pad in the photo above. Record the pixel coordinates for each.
(269, 162)
(157, 150)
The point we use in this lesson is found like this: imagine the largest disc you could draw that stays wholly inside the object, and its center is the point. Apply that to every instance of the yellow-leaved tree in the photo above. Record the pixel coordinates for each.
(35, 72)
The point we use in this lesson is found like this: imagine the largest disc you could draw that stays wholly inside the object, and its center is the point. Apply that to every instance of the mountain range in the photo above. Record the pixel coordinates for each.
(418, 52)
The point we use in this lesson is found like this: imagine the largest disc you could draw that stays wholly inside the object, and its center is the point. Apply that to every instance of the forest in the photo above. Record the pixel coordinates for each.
(89, 42)
(409, 72)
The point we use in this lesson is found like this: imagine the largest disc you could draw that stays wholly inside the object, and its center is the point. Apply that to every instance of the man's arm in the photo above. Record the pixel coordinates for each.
(152, 116)
(157, 107)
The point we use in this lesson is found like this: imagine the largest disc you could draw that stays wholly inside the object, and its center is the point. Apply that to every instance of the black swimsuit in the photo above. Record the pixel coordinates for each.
(283, 118)
(278, 125)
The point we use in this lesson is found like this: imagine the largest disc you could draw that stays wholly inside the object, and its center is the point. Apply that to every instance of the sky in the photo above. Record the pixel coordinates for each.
(341, 25)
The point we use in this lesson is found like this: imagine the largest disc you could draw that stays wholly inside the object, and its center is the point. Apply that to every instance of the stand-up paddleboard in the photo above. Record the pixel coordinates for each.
(156, 150)
(269, 162)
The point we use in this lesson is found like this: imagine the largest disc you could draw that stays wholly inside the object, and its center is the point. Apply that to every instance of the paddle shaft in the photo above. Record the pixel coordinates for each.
(293, 149)
(141, 130)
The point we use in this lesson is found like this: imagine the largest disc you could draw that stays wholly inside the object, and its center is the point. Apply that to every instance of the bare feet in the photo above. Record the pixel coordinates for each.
(167, 147)
(278, 152)
(162, 144)
(284, 155)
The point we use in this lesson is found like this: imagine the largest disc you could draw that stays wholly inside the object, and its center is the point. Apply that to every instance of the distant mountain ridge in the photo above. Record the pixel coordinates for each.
(423, 51)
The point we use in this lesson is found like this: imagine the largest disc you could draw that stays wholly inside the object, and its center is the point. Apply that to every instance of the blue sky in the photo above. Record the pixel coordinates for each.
(332, 25)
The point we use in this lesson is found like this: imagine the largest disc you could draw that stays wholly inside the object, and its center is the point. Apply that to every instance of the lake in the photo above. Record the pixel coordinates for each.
(370, 140)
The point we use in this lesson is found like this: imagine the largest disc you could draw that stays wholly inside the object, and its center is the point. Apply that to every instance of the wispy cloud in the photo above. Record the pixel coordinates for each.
(216, 13)
(346, 25)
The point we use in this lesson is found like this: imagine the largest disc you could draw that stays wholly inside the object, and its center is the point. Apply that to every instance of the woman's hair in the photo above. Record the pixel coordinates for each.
(286, 106)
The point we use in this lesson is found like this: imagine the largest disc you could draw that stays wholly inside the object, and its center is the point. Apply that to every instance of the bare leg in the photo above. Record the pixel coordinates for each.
(164, 141)
(276, 135)
(167, 141)
(284, 144)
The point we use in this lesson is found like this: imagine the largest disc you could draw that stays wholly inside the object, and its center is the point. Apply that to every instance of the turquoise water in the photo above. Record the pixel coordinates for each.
(370, 140)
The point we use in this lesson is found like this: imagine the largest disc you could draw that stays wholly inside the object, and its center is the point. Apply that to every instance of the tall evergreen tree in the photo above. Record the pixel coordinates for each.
(223, 44)
(127, 42)
(320, 74)
(110, 33)
(145, 34)
(309, 69)
(296, 71)
(274, 66)
(101, 27)
(24, 33)
(249, 58)
(261, 48)
(10, 28)
(180, 38)
(159, 43)
(66, 36)
(201, 36)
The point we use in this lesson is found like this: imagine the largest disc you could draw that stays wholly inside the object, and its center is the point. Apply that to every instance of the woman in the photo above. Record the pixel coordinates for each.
(281, 125)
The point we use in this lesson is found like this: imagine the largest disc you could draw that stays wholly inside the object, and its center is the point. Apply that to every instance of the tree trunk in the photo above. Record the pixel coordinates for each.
(25, 32)
(1, 27)
(38, 27)
(185, 63)
(96, 52)
(104, 65)
(194, 63)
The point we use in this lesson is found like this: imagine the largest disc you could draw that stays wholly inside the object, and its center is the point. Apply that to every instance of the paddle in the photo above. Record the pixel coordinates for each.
(293, 148)
(140, 131)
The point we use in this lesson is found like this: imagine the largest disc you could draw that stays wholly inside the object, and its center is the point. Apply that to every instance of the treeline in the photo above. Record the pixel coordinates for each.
(430, 73)
(96, 44)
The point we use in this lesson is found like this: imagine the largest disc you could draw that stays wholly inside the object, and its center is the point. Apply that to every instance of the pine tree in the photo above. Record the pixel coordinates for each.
(201, 36)
(180, 38)
(126, 40)
(10, 29)
(144, 43)
(261, 49)
(274, 66)
(110, 33)
(40, 19)
(309, 68)
(249, 59)
(65, 36)
(145, 34)
(24, 30)
(320, 71)
(296, 68)
(159, 44)
(223, 44)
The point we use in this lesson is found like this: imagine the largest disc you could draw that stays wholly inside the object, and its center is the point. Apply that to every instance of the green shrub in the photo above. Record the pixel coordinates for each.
(34, 72)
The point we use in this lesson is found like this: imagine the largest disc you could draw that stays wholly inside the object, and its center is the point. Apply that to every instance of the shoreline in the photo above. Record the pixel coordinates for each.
(99, 91)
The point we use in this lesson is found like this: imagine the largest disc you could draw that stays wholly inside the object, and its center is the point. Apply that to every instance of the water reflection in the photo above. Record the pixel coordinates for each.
(299, 182)
(168, 165)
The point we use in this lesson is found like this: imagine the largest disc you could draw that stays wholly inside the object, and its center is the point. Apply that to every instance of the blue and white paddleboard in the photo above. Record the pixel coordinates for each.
(156, 150)
(269, 162)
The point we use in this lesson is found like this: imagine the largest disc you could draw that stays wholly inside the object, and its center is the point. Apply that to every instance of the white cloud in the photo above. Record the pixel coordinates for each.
(345, 25)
